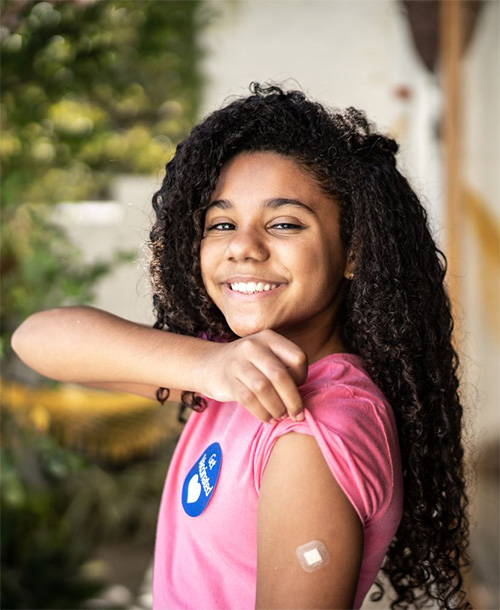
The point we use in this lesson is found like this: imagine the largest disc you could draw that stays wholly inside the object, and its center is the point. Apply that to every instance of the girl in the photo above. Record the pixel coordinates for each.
(301, 310)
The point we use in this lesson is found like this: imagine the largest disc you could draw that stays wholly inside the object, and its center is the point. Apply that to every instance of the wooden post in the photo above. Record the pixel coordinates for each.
(451, 45)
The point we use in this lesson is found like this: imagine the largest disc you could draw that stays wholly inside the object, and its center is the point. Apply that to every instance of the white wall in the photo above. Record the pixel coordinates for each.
(331, 48)
(341, 52)
(481, 275)
(481, 101)
(101, 228)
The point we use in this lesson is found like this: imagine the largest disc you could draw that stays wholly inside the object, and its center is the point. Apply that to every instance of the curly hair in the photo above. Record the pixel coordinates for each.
(396, 314)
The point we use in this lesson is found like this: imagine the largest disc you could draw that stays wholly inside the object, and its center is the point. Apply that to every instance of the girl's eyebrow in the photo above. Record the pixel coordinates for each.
(226, 204)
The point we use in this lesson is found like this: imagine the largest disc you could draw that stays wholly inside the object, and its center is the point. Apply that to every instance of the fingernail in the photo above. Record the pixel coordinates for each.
(300, 416)
(272, 421)
(283, 417)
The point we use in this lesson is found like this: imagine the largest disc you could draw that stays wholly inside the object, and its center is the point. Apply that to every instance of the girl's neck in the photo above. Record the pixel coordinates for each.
(316, 345)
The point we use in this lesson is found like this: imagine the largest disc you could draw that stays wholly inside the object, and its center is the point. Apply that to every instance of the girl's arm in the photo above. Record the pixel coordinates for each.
(147, 391)
(300, 502)
(92, 347)
(89, 346)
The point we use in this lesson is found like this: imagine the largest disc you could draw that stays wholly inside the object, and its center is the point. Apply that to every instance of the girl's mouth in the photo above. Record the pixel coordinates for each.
(252, 287)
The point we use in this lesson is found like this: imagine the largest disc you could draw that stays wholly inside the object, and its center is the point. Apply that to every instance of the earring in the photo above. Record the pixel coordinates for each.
(350, 276)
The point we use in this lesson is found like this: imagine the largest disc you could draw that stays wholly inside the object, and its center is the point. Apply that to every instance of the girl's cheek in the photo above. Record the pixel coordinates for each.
(206, 283)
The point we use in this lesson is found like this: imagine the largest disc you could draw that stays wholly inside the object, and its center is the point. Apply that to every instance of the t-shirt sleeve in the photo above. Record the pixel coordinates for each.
(357, 438)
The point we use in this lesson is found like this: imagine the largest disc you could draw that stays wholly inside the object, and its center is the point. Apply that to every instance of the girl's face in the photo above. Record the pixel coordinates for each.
(271, 254)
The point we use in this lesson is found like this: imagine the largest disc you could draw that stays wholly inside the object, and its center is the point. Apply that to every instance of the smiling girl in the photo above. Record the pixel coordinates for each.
(301, 312)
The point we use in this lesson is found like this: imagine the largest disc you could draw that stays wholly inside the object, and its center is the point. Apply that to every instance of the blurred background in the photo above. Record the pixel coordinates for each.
(95, 96)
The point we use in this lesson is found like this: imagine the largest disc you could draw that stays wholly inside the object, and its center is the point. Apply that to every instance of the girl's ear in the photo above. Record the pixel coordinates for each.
(350, 265)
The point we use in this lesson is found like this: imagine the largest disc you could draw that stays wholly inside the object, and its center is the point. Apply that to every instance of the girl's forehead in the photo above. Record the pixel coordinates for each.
(260, 171)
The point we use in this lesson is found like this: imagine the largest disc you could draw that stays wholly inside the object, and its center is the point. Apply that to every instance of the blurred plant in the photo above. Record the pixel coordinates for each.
(57, 507)
(109, 427)
(41, 269)
(89, 90)
(42, 567)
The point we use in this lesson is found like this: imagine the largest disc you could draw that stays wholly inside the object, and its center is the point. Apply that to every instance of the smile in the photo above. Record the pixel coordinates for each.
(252, 287)
(250, 291)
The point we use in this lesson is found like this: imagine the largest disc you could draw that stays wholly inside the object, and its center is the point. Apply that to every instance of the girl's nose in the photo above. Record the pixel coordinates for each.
(247, 245)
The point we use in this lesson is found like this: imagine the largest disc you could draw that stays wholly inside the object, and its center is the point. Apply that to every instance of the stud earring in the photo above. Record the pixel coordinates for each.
(350, 276)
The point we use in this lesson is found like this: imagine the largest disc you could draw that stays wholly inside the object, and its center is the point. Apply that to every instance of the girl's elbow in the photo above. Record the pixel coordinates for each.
(23, 337)
(35, 329)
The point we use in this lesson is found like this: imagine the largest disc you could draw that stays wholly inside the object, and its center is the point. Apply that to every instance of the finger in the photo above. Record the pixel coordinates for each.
(291, 355)
(263, 390)
(282, 383)
(247, 399)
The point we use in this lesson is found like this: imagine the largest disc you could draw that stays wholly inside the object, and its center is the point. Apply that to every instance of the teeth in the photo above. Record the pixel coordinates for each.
(251, 287)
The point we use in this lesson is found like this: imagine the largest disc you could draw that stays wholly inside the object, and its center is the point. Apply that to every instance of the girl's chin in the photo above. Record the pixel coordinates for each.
(247, 329)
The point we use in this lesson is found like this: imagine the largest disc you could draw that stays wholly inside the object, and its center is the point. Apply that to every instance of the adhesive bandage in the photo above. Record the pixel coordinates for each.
(312, 555)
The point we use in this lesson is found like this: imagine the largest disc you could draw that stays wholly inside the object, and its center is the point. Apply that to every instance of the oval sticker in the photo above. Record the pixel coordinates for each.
(201, 481)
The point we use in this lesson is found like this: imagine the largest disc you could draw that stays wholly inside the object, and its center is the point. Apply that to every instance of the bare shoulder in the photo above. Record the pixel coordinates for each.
(300, 501)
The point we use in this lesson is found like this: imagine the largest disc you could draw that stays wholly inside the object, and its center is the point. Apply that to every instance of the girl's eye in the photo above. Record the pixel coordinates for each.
(220, 226)
(286, 225)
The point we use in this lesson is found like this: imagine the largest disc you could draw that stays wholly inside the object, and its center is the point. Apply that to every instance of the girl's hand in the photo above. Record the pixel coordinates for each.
(261, 372)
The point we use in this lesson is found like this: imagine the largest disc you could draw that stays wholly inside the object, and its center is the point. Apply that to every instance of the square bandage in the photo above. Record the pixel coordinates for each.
(312, 555)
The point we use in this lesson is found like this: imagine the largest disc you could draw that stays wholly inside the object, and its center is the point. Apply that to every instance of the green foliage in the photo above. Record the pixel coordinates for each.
(56, 508)
(88, 90)
(36, 255)
(113, 504)
(42, 564)
(93, 89)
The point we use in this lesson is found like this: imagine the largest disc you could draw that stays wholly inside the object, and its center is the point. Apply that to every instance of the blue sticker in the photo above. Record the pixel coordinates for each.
(201, 480)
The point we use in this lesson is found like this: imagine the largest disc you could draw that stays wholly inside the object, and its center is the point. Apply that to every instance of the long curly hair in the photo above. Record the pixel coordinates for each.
(396, 313)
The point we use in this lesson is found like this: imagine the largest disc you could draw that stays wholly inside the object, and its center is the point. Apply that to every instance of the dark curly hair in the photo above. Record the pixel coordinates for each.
(396, 314)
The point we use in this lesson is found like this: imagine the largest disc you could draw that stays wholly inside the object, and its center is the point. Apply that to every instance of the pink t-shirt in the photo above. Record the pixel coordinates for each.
(209, 561)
